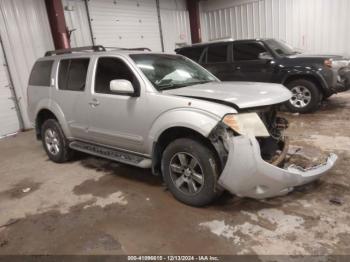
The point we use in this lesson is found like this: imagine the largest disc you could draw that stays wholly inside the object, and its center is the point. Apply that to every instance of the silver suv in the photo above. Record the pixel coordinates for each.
(167, 113)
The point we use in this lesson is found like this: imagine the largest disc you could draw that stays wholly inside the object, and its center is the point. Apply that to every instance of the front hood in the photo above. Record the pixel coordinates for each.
(241, 94)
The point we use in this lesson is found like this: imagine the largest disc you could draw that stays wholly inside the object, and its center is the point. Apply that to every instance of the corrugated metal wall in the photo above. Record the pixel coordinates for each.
(125, 23)
(77, 19)
(26, 36)
(175, 24)
(316, 26)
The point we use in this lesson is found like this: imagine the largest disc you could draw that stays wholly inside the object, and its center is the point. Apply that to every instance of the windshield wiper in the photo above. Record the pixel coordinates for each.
(169, 86)
(173, 86)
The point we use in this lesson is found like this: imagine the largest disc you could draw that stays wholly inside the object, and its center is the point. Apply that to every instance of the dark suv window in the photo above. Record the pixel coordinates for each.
(193, 53)
(72, 74)
(217, 54)
(247, 51)
(110, 68)
(41, 73)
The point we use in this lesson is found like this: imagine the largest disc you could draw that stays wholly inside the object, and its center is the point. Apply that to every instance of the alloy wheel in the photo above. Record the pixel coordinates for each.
(301, 96)
(186, 173)
(52, 141)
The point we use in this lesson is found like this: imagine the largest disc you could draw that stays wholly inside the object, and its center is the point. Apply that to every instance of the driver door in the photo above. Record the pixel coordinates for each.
(116, 119)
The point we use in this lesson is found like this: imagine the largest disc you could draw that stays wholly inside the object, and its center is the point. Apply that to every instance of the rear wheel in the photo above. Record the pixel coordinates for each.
(190, 171)
(54, 142)
(306, 97)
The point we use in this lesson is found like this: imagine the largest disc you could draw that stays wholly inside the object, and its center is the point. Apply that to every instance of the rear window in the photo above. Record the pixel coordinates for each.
(217, 54)
(41, 73)
(193, 53)
(72, 74)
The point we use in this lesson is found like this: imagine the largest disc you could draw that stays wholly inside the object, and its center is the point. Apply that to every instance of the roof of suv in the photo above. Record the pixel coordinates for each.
(222, 41)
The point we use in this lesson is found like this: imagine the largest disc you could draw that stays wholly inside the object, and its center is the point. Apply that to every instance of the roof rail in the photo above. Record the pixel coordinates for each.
(138, 49)
(130, 49)
(94, 48)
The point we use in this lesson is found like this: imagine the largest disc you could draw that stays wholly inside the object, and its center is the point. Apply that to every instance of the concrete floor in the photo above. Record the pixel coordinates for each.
(94, 206)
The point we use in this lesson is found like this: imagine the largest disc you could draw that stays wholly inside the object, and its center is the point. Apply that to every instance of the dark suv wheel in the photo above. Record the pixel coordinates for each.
(54, 142)
(190, 171)
(306, 97)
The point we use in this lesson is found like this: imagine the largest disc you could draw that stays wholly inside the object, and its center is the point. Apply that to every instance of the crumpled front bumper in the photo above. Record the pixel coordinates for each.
(246, 174)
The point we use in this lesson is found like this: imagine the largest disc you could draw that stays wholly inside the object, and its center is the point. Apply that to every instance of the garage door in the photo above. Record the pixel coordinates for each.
(8, 115)
(125, 23)
(26, 36)
(77, 22)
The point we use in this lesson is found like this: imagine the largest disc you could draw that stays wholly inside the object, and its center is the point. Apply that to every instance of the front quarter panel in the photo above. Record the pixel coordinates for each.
(200, 116)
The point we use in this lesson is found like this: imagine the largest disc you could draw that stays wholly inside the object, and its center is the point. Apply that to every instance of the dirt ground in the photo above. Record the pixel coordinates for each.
(94, 206)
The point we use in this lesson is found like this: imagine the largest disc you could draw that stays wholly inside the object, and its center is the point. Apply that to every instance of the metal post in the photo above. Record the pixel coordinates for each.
(90, 20)
(13, 91)
(57, 23)
(160, 26)
(193, 10)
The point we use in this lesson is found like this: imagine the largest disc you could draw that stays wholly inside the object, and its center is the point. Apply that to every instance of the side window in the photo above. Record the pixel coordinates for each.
(217, 54)
(193, 53)
(72, 74)
(41, 73)
(110, 68)
(247, 51)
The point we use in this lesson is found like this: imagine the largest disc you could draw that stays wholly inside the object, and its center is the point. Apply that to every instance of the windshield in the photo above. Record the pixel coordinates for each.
(281, 48)
(171, 71)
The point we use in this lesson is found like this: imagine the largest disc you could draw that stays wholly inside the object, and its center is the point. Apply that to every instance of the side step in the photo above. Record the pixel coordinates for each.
(112, 154)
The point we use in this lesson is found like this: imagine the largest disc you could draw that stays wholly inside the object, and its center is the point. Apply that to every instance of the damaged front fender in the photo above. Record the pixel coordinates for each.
(246, 174)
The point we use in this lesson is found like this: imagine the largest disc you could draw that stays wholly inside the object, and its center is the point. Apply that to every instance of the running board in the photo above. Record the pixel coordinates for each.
(112, 154)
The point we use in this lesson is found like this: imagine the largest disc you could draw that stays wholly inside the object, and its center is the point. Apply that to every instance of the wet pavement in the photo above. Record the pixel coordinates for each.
(95, 206)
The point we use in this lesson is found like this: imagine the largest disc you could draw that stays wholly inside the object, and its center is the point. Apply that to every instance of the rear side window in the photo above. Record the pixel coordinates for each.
(247, 51)
(217, 54)
(193, 53)
(72, 74)
(41, 73)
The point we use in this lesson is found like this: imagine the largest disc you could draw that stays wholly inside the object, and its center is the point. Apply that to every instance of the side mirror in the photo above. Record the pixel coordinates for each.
(265, 56)
(121, 86)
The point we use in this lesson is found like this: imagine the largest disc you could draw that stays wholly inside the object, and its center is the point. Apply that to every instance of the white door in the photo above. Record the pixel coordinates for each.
(9, 122)
(26, 36)
(125, 23)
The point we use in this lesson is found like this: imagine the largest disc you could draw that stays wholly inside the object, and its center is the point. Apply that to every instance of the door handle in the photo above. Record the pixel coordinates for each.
(237, 68)
(94, 103)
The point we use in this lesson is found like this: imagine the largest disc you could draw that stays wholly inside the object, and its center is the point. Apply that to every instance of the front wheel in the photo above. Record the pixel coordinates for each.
(306, 97)
(190, 171)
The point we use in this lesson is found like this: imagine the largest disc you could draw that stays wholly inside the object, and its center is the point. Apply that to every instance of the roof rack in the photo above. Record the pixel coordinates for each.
(139, 49)
(94, 48)
(130, 49)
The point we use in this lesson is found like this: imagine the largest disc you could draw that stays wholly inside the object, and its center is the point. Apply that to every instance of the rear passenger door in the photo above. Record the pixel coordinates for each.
(217, 59)
(70, 94)
(247, 66)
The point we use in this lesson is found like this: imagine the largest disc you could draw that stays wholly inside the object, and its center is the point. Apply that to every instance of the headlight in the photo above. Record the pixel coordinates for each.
(337, 63)
(246, 124)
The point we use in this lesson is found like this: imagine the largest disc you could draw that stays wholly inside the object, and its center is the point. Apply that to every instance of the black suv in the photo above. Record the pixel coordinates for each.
(311, 78)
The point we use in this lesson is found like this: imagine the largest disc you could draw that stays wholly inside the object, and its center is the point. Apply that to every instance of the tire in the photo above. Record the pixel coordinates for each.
(306, 96)
(190, 171)
(54, 142)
